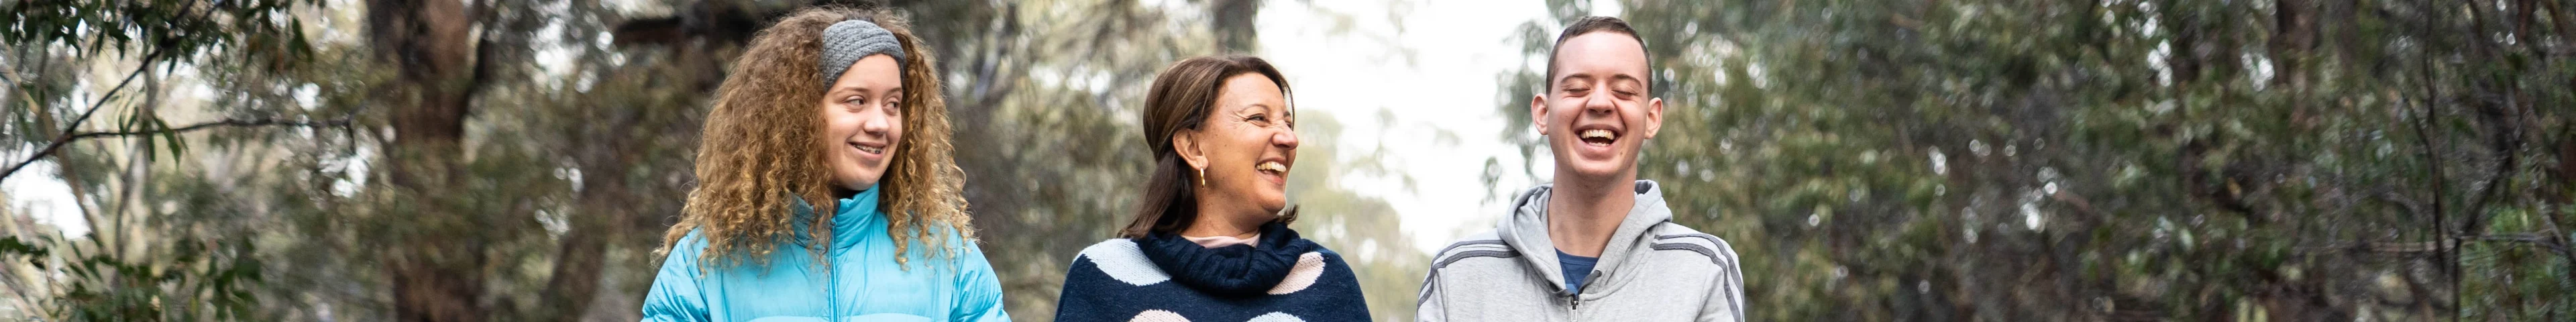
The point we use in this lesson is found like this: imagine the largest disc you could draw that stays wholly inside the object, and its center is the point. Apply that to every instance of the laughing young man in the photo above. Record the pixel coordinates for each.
(1598, 244)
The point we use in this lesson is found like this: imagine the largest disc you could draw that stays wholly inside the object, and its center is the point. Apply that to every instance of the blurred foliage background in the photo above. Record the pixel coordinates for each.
(2120, 160)
(467, 160)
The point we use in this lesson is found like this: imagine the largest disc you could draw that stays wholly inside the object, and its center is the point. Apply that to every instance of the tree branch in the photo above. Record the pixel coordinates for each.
(72, 128)
(2543, 240)
(75, 136)
(2437, 248)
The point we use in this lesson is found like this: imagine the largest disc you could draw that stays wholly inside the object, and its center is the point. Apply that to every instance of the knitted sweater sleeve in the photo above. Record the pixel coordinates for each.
(1080, 300)
(1352, 303)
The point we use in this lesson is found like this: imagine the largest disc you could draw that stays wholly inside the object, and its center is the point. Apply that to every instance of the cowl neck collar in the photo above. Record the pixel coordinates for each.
(1237, 270)
(849, 222)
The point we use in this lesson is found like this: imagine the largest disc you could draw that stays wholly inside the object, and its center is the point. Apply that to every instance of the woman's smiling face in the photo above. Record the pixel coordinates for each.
(863, 121)
(1247, 144)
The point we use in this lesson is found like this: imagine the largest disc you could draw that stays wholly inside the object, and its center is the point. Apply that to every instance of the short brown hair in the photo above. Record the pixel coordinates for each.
(1592, 24)
(1181, 98)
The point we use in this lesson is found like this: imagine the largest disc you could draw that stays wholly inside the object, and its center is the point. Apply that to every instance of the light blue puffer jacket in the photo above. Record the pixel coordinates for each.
(864, 282)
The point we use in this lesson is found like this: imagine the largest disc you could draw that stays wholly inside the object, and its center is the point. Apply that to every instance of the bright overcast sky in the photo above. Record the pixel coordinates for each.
(1458, 49)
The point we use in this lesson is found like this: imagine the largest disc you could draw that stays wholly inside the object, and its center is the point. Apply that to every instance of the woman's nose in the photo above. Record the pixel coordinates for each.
(875, 124)
(1286, 138)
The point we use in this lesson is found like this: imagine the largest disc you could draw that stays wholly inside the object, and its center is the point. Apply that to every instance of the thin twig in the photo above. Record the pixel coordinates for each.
(223, 123)
(2437, 248)
(344, 121)
(74, 127)
(2541, 240)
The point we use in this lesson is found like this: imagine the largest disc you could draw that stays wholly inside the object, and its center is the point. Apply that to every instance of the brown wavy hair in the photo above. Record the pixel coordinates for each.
(763, 145)
(1181, 98)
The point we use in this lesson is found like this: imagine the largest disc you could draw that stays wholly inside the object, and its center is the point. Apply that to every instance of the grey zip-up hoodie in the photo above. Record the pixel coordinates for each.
(1652, 270)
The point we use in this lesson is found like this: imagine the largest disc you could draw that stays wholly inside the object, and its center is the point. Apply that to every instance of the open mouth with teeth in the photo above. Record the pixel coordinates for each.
(1598, 137)
(870, 149)
(1274, 171)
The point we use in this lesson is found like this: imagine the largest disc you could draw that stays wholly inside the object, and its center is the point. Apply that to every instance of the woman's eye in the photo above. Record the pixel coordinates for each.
(894, 107)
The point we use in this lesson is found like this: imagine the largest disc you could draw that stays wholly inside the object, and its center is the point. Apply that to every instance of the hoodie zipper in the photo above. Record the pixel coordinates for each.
(1574, 304)
(1574, 299)
(1574, 307)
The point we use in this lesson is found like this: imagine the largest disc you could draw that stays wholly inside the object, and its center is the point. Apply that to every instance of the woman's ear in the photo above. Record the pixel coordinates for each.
(1185, 142)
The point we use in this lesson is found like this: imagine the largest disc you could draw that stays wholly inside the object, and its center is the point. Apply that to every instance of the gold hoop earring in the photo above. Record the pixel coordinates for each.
(1203, 177)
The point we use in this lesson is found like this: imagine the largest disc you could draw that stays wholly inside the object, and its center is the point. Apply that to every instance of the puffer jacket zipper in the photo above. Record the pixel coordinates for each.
(832, 281)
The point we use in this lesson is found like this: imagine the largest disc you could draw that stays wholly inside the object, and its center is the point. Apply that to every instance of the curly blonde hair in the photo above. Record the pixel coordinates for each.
(763, 145)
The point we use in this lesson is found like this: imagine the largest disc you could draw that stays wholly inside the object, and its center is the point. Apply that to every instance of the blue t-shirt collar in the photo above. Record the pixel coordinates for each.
(1576, 268)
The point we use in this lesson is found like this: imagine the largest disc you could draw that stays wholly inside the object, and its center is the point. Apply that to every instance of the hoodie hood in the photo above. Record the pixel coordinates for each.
(1526, 232)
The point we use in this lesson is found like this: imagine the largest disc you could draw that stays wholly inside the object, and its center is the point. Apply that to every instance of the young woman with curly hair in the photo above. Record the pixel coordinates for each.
(826, 187)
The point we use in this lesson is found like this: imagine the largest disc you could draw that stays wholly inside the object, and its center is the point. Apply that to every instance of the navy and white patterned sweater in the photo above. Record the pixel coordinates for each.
(1167, 278)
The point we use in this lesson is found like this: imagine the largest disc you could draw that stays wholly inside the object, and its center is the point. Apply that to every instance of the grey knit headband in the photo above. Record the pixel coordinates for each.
(847, 41)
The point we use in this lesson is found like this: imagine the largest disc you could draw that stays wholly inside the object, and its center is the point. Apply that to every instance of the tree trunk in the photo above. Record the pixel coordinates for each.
(1232, 23)
(436, 262)
(604, 159)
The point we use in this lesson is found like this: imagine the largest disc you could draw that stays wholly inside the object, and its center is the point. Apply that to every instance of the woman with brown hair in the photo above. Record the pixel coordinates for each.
(1210, 240)
(826, 187)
